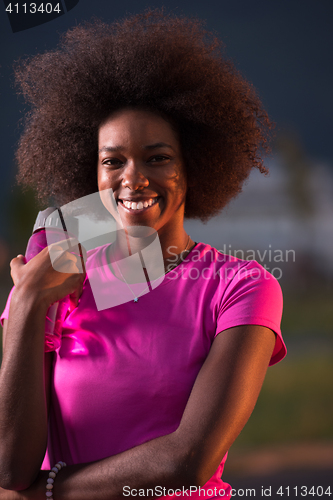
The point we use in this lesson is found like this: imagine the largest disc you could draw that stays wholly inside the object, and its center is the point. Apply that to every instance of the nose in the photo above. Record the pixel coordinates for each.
(133, 177)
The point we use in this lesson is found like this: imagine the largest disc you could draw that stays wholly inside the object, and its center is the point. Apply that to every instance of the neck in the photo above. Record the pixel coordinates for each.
(132, 239)
(175, 246)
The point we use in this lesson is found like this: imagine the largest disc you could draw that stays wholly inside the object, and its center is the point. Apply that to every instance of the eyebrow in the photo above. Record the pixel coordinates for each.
(113, 149)
(158, 145)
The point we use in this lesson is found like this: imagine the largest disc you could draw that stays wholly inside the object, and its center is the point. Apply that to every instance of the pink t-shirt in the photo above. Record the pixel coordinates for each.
(123, 374)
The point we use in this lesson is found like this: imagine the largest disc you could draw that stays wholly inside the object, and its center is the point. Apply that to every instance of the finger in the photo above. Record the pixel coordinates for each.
(78, 254)
(72, 245)
(68, 266)
(78, 260)
(67, 244)
(59, 256)
(66, 256)
(69, 263)
(72, 250)
(56, 253)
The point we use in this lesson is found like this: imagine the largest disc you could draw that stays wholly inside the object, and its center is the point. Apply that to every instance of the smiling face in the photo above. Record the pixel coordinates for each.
(139, 157)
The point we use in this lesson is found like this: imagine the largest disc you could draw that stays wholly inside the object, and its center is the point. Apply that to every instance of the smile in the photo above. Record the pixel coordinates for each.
(140, 205)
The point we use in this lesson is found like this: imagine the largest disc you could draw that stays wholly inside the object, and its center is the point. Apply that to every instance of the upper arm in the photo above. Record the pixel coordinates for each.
(224, 395)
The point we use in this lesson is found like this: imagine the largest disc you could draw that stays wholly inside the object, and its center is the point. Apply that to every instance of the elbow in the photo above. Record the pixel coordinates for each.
(196, 478)
(12, 482)
(19, 466)
(5, 479)
(190, 480)
(186, 477)
(178, 472)
(196, 471)
(13, 477)
(192, 465)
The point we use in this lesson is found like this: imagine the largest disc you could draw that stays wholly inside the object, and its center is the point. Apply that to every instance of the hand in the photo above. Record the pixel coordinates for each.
(55, 272)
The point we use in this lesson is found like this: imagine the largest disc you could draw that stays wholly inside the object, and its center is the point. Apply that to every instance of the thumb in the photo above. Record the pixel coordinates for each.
(15, 267)
(18, 261)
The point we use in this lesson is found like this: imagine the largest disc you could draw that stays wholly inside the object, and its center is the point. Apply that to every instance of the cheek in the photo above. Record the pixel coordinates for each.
(174, 176)
(104, 180)
(99, 176)
(175, 181)
(180, 182)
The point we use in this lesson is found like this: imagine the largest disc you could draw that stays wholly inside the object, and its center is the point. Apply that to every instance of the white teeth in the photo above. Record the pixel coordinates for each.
(138, 206)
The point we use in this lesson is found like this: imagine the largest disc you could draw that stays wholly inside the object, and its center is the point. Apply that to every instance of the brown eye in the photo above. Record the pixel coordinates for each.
(112, 162)
(159, 159)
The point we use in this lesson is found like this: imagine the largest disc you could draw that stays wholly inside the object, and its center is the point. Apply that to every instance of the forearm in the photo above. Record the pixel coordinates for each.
(157, 463)
(23, 412)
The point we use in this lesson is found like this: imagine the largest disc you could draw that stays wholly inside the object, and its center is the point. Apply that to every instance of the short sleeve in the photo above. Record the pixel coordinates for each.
(253, 297)
(5, 313)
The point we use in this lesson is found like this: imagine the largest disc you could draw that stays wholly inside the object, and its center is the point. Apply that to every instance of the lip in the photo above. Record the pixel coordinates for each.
(136, 200)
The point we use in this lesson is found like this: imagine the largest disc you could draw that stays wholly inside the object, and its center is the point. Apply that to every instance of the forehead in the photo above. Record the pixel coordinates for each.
(132, 126)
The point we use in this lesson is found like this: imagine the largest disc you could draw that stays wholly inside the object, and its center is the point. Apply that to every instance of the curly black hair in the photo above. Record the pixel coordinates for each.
(167, 64)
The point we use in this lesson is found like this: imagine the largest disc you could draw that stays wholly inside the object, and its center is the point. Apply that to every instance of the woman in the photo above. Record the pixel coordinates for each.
(161, 384)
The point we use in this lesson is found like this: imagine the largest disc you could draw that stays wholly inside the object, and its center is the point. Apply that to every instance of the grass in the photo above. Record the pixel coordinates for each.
(295, 403)
(308, 313)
